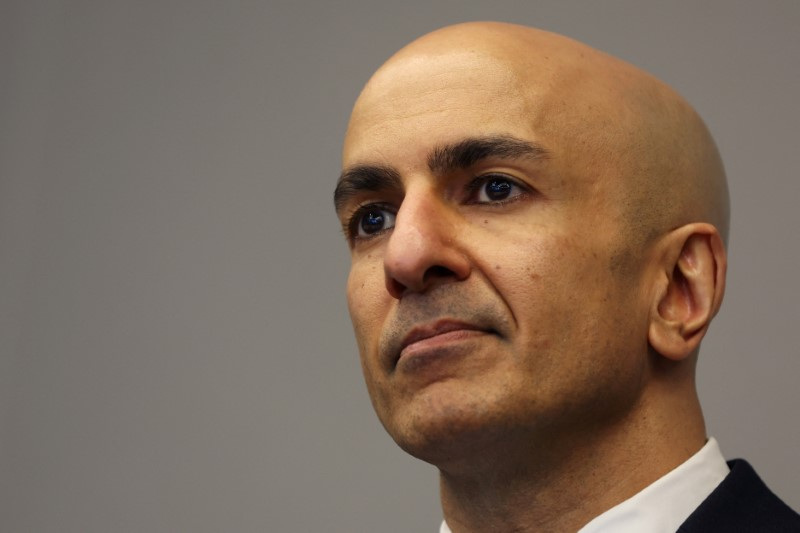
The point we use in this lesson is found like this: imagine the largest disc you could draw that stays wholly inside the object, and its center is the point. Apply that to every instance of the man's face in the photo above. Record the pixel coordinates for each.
(492, 289)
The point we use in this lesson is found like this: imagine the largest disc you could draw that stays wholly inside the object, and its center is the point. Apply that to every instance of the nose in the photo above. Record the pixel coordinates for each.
(423, 249)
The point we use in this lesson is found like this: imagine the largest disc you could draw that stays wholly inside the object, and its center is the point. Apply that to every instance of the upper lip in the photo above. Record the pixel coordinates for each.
(432, 329)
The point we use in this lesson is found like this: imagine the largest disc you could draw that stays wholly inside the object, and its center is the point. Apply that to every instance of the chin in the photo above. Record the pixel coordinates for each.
(446, 429)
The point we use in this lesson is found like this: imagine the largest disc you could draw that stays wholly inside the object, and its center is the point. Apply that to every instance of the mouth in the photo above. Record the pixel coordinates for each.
(435, 335)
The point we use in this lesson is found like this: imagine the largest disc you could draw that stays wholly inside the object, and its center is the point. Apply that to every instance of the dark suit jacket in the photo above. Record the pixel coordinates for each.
(742, 503)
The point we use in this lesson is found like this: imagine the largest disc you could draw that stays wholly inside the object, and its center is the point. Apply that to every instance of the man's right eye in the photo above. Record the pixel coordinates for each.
(371, 220)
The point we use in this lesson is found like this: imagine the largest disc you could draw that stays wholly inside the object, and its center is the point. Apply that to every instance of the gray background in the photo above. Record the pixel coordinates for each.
(175, 349)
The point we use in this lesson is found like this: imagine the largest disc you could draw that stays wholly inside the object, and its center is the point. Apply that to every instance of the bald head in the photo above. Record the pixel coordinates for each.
(622, 130)
(535, 240)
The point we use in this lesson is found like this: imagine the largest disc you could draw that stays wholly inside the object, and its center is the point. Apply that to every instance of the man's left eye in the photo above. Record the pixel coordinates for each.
(492, 189)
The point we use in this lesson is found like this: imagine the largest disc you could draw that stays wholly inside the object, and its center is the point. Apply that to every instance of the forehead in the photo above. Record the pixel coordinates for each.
(424, 101)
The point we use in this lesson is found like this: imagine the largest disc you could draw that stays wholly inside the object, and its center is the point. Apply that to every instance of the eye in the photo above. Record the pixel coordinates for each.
(370, 220)
(495, 188)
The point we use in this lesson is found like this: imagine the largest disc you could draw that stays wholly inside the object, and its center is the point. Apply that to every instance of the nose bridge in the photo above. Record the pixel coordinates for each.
(422, 217)
(423, 244)
(413, 244)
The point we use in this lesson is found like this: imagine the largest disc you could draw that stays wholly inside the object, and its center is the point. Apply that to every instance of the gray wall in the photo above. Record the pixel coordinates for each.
(175, 353)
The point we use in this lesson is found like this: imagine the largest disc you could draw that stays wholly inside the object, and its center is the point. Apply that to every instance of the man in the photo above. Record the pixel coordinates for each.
(537, 238)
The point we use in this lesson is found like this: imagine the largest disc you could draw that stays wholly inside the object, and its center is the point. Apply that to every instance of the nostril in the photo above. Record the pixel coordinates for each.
(395, 288)
(438, 271)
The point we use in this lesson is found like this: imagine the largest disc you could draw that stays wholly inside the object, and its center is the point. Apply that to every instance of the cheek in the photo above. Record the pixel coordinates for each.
(578, 314)
(528, 270)
(556, 287)
(368, 303)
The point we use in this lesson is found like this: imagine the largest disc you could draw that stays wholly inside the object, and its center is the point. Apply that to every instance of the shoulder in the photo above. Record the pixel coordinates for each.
(742, 502)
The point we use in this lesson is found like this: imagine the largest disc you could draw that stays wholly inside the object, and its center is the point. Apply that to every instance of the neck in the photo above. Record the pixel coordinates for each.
(561, 485)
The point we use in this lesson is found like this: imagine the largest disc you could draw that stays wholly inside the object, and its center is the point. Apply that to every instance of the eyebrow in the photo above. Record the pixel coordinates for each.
(466, 153)
(364, 178)
(442, 159)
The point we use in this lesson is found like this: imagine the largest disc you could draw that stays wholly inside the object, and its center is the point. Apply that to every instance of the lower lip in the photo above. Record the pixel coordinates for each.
(437, 345)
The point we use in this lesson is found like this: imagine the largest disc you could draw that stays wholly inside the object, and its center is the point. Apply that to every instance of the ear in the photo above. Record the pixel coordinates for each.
(693, 276)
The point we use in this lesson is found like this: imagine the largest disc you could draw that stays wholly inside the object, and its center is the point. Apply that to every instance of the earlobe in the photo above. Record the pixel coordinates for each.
(694, 264)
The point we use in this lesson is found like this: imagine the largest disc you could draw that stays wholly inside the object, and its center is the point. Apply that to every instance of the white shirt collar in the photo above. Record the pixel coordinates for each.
(666, 503)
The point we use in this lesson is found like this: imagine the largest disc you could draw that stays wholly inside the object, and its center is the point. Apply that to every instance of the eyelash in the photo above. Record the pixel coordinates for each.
(473, 188)
(351, 227)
